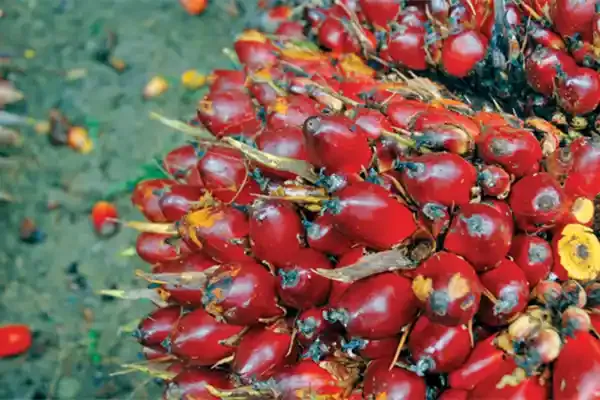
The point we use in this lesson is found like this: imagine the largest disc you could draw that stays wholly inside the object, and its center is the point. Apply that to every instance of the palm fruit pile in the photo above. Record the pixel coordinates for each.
(339, 228)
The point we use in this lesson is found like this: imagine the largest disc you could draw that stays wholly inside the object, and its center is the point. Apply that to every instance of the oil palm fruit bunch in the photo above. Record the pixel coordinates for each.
(335, 232)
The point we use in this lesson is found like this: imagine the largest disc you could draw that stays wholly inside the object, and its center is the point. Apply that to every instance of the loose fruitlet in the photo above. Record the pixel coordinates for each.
(341, 228)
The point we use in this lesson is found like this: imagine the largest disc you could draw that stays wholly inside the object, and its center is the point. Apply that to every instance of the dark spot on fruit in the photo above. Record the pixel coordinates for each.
(500, 147)
(537, 253)
(547, 200)
(439, 301)
(582, 251)
(312, 125)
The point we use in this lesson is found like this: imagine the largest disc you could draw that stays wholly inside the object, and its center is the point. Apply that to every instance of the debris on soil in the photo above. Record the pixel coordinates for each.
(29, 232)
(155, 87)
(10, 137)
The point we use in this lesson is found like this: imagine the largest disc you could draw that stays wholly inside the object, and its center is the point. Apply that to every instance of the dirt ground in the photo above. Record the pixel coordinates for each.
(52, 286)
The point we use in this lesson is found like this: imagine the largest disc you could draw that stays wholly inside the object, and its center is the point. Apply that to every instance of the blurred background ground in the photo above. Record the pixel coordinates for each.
(52, 285)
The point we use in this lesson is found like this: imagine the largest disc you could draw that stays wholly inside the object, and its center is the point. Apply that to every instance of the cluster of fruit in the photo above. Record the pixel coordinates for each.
(340, 231)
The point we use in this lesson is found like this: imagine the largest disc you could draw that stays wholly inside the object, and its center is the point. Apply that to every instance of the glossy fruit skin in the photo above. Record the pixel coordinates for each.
(221, 231)
(516, 150)
(335, 144)
(332, 35)
(225, 80)
(224, 112)
(191, 383)
(462, 51)
(445, 129)
(284, 142)
(181, 164)
(299, 286)
(573, 17)
(155, 248)
(480, 234)
(261, 352)
(15, 339)
(483, 361)
(193, 262)
(454, 394)
(373, 349)
(255, 52)
(406, 47)
(583, 178)
(397, 383)
(350, 257)
(199, 338)
(362, 211)
(275, 231)
(104, 215)
(508, 283)
(379, 12)
(438, 348)
(145, 197)
(371, 122)
(322, 236)
(311, 324)
(436, 286)
(576, 367)
(538, 202)
(242, 293)
(306, 378)
(401, 112)
(533, 255)
(442, 178)
(292, 111)
(376, 307)
(158, 325)
(178, 200)
(494, 181)
(579, 92)
(541, 68)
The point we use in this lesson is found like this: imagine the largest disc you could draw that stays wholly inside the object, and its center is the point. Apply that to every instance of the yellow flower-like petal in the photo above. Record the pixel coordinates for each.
(579, 252)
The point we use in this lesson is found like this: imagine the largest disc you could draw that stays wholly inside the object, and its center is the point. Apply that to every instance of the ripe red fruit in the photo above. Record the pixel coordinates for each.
(191, 384)
(350, 257)
(480, 234)
(579, 92)
(299, 286)
(406, 47)
(576, 367)
(462, 51)
(371, 122)
(583, 177)
(397, 383)
(157, 248)
(225, 80)
(376, 307)
(14, 339)
(494, 181)
(178, 199)
(291, 111)
(438, 348)
(308, 378)
(571, 17)
(538, 202)
(145, 197)
(363, 210)
(322, 235)
(533, 255)
(380, 12)
(483, 361)
(311, 324)
(275, 231)
(335, 144)
(434, 120)
(225, 112)
(242, 294)
(542, 68)
(402, 112)
(332, 34)
(181, 164)
(454, 394)
(442, 178)
(254, 50)
(158, 325)
(104, 215)
(199, 338)
(284, 142)
(448, 288)
(373, 349)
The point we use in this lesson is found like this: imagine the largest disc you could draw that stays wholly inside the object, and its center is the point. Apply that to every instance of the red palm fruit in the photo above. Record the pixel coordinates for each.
(191, 384)
(573, 17)
(255, 50)
(495, 387)
(412, 16)
(382, 383)
(225, 80)
(533, 255)
(546, 38)
(225, 112)
(308, 378)
(438, 118)
(350, 257)
(576, 368)
(372, 349)
(276, 231)
(322, 236)
(284, 142)
(371, 122)
(178, 199)
(402, 112)
(223, 172)
(435, 217)
(311, 324)
(541, 68)
(480, 234)
(182, 294)
(200, 339)
(332, 34)
(509, 285)
(261, 84)
(538, 202)
(145, 197)
(222, 231)
(454, 394)
(500, 205)
(357, 90)
(442, 178)
(579, 92)
(438, 348)
(291, 30)
(363, 210)
(104, 218)
(299, 286)
(483, 361)
(576, 250)
(157, 247)
(580, 211)
(583, 178)
(181, 164)
(242, 294)
(494, 181)
(292, 111)
(157, 326)
(516, 150)
(574, 320)
(376, 307)
(462, 51)
(448, 288)
(406, 47)
(262, 352)
(335, 144)
(380, 13)
(155, 354)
